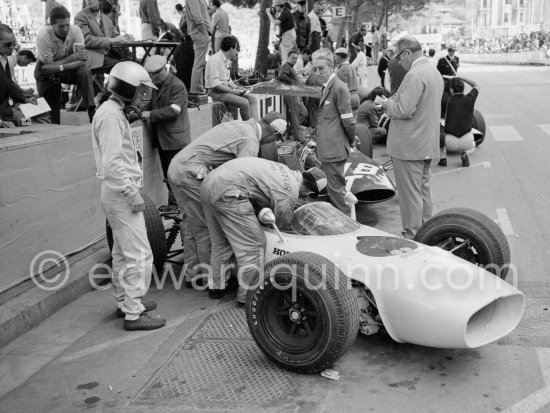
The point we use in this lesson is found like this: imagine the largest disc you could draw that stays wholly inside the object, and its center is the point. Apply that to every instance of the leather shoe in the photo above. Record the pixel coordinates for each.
(465, 159)
(144, 322)
(149, 306)
(216, 293)
(442, 162)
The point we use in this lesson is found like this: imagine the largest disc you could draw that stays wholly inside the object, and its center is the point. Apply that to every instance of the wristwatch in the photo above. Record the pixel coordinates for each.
(61, 68)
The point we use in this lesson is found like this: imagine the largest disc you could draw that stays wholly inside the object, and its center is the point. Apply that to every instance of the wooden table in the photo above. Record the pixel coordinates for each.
(147, 46)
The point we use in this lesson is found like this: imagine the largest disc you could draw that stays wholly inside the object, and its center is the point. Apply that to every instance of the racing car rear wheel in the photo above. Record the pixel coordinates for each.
(155, 233)
(302, 313)
(363, 133)
(479, 124)
(269, 151)
(470, 235)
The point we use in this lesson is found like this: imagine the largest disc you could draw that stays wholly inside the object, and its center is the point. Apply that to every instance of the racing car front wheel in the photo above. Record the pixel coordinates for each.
(470, 235)
(302, 312)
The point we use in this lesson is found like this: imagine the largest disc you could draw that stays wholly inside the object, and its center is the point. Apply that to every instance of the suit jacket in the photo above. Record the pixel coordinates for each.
(8, 89)
(173, 130)
(448, 66)
(335, 123)
(95, 39)
(415, 112)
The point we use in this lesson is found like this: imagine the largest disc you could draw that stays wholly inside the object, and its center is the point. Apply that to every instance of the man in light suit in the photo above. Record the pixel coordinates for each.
(413, 137)
(99, 33)
(168, 114)
(335, 127)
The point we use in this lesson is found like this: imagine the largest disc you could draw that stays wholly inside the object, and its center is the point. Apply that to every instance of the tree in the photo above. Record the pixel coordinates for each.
(263, 39)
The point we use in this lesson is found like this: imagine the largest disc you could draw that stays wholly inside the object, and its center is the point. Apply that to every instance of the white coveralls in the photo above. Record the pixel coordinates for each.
(117, 165)
(220, 144)
(228, 194)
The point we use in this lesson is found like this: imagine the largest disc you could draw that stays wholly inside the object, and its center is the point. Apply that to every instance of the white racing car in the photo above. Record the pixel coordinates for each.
(330, 277)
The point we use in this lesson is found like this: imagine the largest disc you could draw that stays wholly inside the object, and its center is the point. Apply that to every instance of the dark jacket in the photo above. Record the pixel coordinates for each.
(172, 128)
(301, 21)
(8, 89)
(448, 66)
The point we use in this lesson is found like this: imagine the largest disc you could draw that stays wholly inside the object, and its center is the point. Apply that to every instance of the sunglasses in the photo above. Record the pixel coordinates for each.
(398, 56)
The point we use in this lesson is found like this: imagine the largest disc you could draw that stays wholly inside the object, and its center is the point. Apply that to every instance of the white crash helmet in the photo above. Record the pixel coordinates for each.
(126, 77)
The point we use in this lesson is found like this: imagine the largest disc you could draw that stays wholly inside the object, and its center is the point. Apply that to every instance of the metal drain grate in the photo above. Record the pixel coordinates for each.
(219, 365)
(225, 325)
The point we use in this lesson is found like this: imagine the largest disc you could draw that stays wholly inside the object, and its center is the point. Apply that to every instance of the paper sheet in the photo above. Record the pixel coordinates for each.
(29, 110)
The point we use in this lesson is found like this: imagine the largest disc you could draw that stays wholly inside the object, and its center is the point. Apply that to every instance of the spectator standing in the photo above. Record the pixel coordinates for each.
(368, 43)
(315, 26)
(182, 20)
(376, 40)
(347, 74)
(150, 19)
(431, 57)
(397, 73)
(183, 58)
(303, 65)
(356, 40)
(301, 21)
(221, 87)
(413, 136)
(335, 127)
(99, 33)
(459, 115)
(226, 141)
(448, 65)
(297, 110)
(383, 66)
(121, 177)
(59, 62)
(200, 29)
(168, 114)
(360, 66)
(287, 31)
(220, 25)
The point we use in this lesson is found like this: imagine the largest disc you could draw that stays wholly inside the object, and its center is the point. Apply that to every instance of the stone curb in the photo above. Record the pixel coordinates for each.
(25, 311)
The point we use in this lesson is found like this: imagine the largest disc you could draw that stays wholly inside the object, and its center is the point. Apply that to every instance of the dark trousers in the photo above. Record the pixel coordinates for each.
(49, 87)
(166, 157)
(315, 41)
(298, 113)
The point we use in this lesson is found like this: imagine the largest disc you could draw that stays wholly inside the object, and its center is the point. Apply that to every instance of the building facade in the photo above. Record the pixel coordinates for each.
(507, 17)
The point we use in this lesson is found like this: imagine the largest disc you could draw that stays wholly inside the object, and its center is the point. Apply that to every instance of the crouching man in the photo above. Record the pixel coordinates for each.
(122, 179)
(228, 194)
(190, 166)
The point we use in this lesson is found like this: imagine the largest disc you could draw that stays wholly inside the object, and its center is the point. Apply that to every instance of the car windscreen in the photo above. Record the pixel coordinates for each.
(321, 218)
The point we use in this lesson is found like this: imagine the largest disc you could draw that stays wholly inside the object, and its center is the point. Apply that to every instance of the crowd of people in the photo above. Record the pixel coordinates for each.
(524, 42)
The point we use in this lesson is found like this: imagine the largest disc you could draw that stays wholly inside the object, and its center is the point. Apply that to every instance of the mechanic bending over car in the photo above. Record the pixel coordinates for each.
(459, 115)
(190, 166)
(117, 165)
(228, 194)
(335, 127)
(369, 114)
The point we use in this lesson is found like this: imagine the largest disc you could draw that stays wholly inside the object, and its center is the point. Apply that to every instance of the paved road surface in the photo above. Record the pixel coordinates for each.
(204, 360)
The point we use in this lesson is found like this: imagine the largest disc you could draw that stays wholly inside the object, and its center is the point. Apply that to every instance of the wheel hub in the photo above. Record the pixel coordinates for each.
(296, 313)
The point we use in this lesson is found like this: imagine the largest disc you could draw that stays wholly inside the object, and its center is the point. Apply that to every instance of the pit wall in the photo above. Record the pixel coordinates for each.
(49, 195)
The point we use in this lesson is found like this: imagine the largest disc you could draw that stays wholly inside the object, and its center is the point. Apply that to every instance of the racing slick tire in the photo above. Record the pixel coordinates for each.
(363, 133)
(471, 235)
(269, 152)
(301, 319)
(479, 124)
(156, 233)
(292, 161)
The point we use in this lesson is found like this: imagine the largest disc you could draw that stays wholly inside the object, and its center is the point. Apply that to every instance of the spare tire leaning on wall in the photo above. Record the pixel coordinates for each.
(155, 233)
